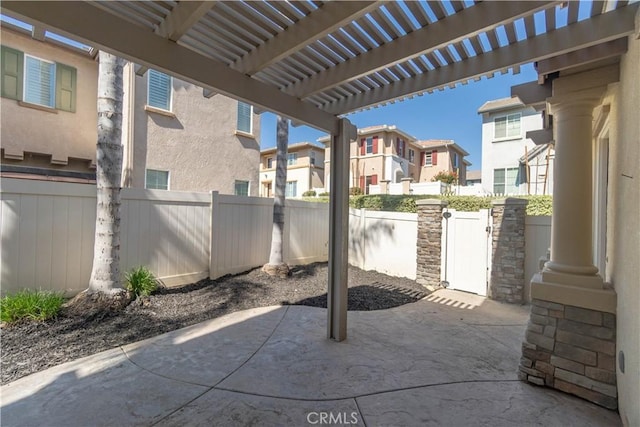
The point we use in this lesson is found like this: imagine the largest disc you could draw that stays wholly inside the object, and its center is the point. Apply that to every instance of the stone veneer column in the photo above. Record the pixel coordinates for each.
(507, 248)
(429, 253)
(570, 339)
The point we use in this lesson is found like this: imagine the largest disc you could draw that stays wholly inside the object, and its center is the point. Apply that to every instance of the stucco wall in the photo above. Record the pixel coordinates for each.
(60, 134)
(198, 145)
(625, 255)
(505, 153)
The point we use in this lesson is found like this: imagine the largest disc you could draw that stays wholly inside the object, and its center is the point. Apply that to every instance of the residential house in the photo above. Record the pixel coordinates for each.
(174, 136)
(512, 162)
(385, 153)
(305, 169)
(474, 177)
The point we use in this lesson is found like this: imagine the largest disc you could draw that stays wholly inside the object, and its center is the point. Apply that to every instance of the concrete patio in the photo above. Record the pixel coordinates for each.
(449, 359)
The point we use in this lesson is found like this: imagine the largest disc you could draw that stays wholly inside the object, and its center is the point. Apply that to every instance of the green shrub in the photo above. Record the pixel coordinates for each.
(355, 191)
(33, 305)
(373, 203)
(356, 202)
(468, 203)
(539, 205)
(140, 281)
(326, 194)
(310, 193)
(319, 199)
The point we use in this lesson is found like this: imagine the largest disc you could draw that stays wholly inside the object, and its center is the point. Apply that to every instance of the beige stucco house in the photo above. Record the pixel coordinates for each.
(385, 153)
(305, 169)
(175, 136)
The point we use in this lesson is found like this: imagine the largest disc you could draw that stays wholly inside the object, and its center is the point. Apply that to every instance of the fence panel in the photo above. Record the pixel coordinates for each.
(537, 236)
(307, 232)
(383, 241)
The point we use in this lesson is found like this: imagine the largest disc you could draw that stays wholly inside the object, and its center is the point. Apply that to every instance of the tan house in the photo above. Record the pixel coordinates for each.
(175, 135)
(385, 153)
(305, 169)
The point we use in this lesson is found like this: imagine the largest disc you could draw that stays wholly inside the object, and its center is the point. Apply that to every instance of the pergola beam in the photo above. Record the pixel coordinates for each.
(94, 26)
(583, 56)
(328, 18)
(38, 33)
(465, 24)
(599, 29)
(182, 17)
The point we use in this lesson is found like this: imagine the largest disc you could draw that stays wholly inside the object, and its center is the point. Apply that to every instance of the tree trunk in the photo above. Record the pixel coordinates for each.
(276, 265)
(105, 275)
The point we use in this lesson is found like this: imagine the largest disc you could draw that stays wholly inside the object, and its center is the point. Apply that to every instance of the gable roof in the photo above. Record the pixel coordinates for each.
(296, 146)
(509, 103)
(474, 175)
(437, 143)
(370, 130)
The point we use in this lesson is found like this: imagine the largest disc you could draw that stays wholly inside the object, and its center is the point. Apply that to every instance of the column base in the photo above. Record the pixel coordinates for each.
(576, 290)
(571, 349)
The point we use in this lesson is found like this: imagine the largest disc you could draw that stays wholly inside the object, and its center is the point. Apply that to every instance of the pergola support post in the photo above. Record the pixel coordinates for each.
(339, 231)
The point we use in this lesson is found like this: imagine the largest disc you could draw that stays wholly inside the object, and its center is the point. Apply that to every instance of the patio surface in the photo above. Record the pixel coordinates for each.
(449, 359)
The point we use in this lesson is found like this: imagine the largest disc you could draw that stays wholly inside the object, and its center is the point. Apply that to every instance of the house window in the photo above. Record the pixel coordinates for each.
(312, 158)
(506, 180)
(454, 160)
(159, 90)
(369, 148)
(292, 189)
(39, 81)
(428, 158)
(245, 112)
(157, 180)
(507, 127)
(241, 188)
(412, 155)
(269, 162)
(292, 158)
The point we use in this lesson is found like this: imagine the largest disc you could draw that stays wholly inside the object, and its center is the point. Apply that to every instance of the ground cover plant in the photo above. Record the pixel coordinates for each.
(140, 281)
(30, 305)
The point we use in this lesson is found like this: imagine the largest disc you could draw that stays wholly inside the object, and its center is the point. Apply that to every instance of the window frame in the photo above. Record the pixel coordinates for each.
(242, 181)
(149, 72)
(291, 156)
(269, 162)
(428, 158)
(455, 160)
(368, 149)
(146, 172)
(506, 117)
(312, 158)
(287, 188)
(52, 85)
(412, 155)
(250, 131)
(504, 182)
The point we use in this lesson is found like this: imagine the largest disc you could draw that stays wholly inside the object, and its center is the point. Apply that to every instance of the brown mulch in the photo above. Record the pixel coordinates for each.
(30, 347)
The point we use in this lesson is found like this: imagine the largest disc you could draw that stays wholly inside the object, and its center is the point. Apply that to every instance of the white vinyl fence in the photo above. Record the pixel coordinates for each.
(47, 234)
(383, 241)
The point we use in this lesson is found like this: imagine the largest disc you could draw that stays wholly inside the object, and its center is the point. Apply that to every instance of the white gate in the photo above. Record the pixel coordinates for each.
(465, 244)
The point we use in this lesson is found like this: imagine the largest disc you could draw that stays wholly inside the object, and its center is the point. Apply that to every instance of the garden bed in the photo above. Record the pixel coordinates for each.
(30, 347)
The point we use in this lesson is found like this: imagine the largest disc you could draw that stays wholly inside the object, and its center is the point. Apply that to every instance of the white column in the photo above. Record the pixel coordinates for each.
(339, 231)
(570, 277)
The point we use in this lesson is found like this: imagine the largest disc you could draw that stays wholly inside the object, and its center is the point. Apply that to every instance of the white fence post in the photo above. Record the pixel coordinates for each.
(214, 235)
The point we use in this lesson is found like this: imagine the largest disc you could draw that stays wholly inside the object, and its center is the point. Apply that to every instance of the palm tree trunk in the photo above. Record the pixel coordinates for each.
(105, 275)
(276, 265)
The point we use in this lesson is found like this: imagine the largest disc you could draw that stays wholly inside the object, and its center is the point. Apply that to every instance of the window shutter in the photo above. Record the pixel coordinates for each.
(362, 183)
(375, 145)
(363, 146)
(434, 157)
(65, 88)
(374, 180)
(423, 155)
(12, 71)
(159, 90)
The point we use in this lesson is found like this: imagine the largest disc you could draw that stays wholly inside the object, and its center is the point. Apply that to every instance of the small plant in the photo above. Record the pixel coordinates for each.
(140, 281)
(310, 193)
(32, 305)
(446, 177)
(324, 194)
(355, 191)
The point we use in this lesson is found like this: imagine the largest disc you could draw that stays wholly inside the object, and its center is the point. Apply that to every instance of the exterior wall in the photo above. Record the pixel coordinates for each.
(306, 175)
(506, 153)
(197, 143)
(59, 134)
(444, 164)
(624, 228)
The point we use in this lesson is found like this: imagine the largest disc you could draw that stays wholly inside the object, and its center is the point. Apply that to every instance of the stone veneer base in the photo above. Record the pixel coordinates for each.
(571, 349)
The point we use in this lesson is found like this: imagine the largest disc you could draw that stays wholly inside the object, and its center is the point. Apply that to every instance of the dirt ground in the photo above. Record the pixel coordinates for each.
(30, 347)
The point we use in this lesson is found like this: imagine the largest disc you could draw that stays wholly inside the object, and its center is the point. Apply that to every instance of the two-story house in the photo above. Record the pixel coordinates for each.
(386, 153)
(512, 163)
(305, 169)
(175, 135)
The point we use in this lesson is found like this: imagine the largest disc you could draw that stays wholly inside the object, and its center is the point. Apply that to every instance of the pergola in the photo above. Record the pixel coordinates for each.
(315, 61)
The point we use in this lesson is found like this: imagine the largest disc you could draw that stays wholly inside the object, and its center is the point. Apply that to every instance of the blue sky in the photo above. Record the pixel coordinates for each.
(450, 114)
